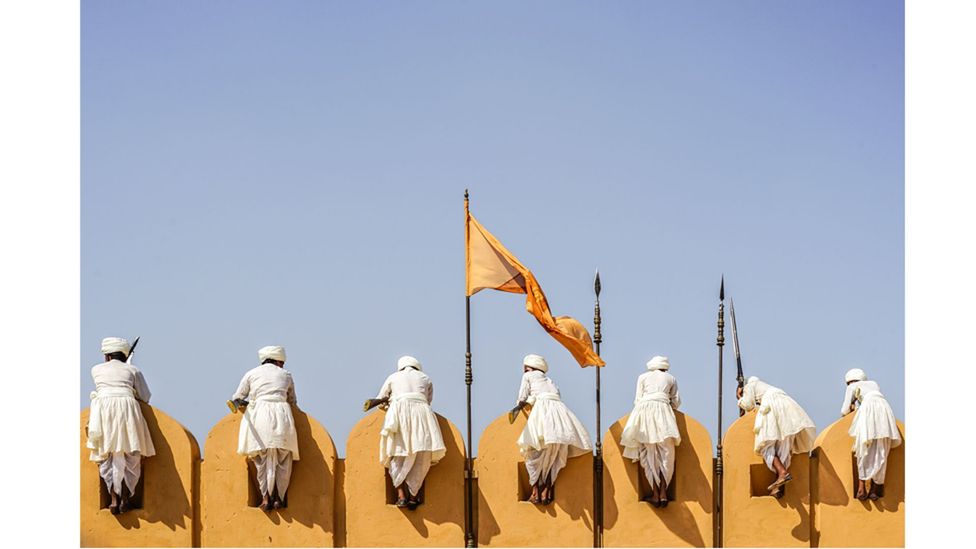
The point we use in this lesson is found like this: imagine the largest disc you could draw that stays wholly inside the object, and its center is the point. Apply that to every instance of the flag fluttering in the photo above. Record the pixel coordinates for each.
(491, 266)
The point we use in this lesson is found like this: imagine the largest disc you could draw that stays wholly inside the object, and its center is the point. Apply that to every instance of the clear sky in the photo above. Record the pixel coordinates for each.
(260, 173)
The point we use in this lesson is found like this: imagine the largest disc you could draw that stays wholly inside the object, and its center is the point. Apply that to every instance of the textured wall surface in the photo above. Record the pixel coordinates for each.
(227, 518)
(840, 520)
(505, 521)
(686, 521)
(751, 518)
(371, 521)
(170, 481)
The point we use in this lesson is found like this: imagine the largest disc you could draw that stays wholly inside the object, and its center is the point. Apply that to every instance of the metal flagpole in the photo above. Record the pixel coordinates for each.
(720, 341)
(468, 463)
(598, 458)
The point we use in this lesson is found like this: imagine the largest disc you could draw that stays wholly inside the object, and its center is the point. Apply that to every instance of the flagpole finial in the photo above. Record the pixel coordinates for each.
(465, 194)
(721, 291)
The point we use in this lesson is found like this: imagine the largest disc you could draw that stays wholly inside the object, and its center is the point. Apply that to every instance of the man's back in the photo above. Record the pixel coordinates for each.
(267, 381)
(116, 374)
(407, 380)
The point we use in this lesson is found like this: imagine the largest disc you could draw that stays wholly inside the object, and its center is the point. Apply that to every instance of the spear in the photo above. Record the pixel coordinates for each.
(132, 349)
(598, 461)
(720, 342)
(738, 358)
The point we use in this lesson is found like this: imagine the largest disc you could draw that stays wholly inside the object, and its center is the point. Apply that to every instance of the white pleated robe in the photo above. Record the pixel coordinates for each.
(651, 432)
(782, 427)
(115, 422)
(268, 421)
(552, 434)
(874, 429)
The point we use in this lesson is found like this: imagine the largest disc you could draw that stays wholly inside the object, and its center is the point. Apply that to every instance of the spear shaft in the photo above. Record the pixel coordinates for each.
(598, 457)
(720, 342)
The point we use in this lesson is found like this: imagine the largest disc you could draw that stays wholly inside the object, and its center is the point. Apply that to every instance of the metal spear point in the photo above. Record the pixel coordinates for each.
(596, 284)
(132, 349)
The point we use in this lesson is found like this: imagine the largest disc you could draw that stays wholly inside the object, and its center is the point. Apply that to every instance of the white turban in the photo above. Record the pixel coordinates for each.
(274, 352)
(409, 362)
(658, 363)
(855, 374)
(752, 379)
(536, 361)
(115, 345)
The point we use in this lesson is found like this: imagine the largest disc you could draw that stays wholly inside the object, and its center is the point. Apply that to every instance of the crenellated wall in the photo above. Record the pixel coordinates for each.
(228, 512)
(686, 521)
(841, 520)
(438, 522)
(344, 502)
(170, 482)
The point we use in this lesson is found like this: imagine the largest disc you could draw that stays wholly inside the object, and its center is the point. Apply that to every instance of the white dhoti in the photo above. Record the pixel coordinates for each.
(118, 437)
(410, 440)
(650, 435)
(875, 433)
(551, 436)
(782, 449)
(273, 470)
(121, 467)
(657, 460)
(411, 469)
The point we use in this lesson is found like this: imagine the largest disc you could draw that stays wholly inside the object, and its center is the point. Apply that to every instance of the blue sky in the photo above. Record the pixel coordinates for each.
(292, 173)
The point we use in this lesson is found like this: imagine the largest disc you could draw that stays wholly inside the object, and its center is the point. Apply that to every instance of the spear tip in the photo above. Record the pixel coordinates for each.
(721, 291)
(596, 283)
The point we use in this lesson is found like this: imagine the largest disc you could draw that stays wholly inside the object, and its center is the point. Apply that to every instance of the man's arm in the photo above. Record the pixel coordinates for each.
(141, 387)
(292, 398)
(675, 397)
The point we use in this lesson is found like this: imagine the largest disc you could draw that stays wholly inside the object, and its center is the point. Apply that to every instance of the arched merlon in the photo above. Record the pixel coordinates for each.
(686, 521)
(505, 520)
(170, 479)
(228, 510)
(371, 518)
(840, 520)
(752, 518)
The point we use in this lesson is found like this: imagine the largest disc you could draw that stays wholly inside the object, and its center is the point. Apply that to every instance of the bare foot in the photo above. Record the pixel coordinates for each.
(265, 504)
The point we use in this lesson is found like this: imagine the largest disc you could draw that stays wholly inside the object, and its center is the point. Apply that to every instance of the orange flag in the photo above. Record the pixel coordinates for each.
(491, 266)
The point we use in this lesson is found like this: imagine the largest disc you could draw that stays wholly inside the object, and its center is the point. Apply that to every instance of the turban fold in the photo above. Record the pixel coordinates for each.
(409, 362)
(752, 379)
(274, 352)
(658, 363)
(855, 374)
(537, 362)
(115, 345)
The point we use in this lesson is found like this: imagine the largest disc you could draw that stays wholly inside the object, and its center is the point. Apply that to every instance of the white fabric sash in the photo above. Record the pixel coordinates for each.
(871, 394)
(656, 396)
(270, 398)
(390, 424)
(547, 396)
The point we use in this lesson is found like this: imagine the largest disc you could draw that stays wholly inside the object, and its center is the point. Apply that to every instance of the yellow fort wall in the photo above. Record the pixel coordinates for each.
(227, 518)
(751, 518)
(505, 521)
(840, 520)
(438, 522)
(333, 502)
(170, 480)
(686, 521)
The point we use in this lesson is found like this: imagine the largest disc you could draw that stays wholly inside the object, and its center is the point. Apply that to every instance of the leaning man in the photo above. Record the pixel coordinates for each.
(410, 441)
(117, 433)
(267, 436)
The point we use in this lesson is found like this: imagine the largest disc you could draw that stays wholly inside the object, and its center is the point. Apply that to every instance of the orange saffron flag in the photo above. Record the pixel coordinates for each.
(491, 266)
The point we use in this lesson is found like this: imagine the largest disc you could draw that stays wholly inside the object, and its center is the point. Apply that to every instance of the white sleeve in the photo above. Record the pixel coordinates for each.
(748, 400)
(141, 387)
(640, 390)
(430, 391)
(524, 389)
(845, 407)
(386, 390)
(244, 388)
(292, 398)
(675, 397)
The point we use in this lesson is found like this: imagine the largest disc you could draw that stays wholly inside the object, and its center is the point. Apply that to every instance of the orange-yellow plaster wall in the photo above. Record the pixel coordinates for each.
(840, 520)
(373, 522)
(504, 521)
(228, 520)
(170, 480)
(762, 520)
(686, 521)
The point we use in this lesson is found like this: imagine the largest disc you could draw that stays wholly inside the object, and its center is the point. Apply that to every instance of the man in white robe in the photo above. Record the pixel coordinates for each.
(651, 432)
(552, 434)
(268, 436)
(410, 441)
(118, 436)
(874, 429)
(782, 428)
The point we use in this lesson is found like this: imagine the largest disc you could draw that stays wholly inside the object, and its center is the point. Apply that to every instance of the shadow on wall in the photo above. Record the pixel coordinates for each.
(841, 520)
(227, 517)
(687, 520)
(505, 519)
(169, 482)
(438, 522)
(762, 520)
